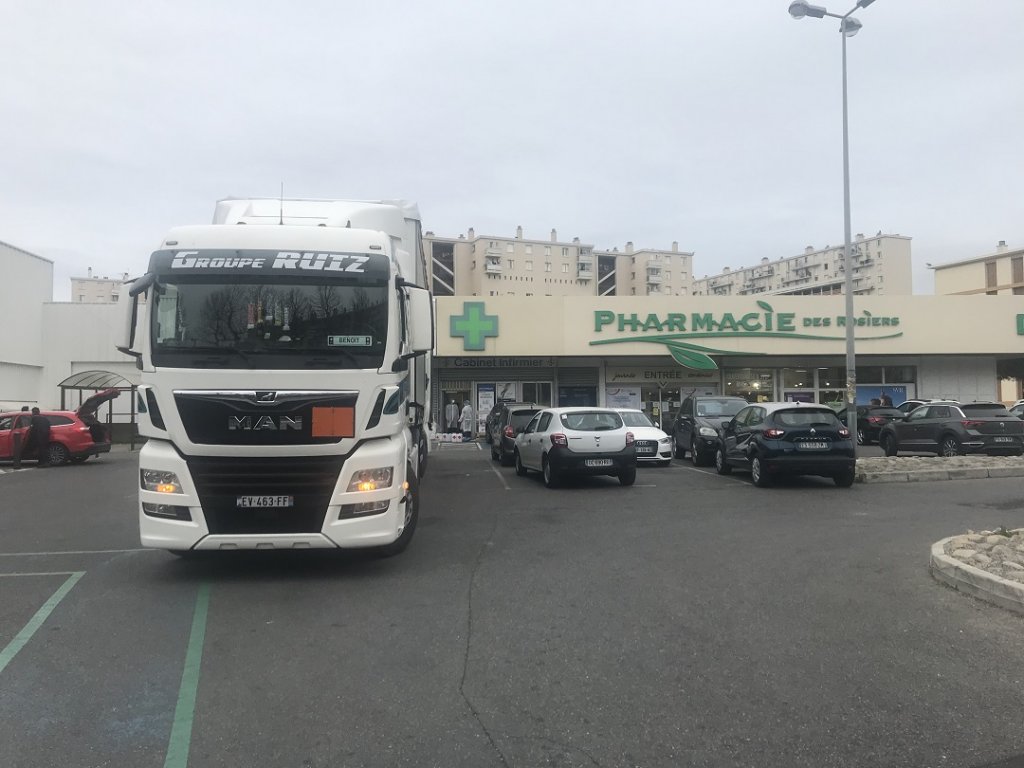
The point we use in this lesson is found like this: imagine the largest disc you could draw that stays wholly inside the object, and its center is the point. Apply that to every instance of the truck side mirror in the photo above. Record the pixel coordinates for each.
(130, 320)
(421, 320)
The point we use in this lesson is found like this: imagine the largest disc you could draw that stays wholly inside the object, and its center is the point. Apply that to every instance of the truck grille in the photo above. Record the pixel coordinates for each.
(220, 481)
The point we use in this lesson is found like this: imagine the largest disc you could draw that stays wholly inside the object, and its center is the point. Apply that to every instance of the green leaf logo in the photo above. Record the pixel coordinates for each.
(765, 306)
(691, 358)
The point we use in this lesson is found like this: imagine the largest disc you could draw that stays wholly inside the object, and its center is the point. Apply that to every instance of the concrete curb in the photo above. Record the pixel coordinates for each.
(954, 473)
(974, 581)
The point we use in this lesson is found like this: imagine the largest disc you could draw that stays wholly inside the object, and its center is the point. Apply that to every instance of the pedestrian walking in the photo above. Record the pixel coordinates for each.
(451, 417)
(466, 420)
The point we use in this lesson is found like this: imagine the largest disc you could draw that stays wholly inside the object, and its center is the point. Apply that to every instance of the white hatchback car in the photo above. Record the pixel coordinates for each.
(578, 441)
(653, 446)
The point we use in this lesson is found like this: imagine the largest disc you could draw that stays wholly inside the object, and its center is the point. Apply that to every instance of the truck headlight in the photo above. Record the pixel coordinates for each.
(160, 481)
(708, 432)
(371, 479)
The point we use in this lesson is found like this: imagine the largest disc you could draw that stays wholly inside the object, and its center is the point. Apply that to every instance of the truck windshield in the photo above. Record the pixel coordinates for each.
(269, 325)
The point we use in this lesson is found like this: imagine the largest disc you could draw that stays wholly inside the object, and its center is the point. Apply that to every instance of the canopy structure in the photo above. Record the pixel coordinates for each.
(95, 381)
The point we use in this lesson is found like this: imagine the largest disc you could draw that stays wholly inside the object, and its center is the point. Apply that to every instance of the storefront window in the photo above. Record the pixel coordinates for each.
(538, 392)
(869, 374)
(659, 403)
(900, 374)
(757, 385)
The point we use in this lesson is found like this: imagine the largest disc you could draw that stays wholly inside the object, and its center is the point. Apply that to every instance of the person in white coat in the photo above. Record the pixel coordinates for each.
(466, 420)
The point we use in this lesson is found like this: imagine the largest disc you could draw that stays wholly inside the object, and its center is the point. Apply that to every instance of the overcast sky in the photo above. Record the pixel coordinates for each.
(717, 124)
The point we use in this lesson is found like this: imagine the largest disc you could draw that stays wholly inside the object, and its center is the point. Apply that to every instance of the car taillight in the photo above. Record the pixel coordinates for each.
(774, 433)
(509, 433)
(557, 438)
(629, 438)
(971, 423)
(844, 432)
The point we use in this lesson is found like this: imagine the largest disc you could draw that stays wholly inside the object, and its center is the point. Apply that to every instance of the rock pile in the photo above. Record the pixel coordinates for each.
(1000, 553)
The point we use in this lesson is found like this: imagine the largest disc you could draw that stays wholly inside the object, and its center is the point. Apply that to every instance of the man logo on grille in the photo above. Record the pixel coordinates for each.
(266, 397)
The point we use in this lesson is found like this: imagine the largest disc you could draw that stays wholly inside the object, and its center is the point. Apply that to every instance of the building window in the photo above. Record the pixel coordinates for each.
(511, 263)
(990, 274)
(565, 267)
(565, 251)
(529, 250)
(547, 267)
(529, 265)
(510, 248)
(547, 250)
(492, 244)
(1017, 268)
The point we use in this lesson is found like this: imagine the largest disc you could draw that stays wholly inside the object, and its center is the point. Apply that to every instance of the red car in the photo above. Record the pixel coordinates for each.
(74, 435)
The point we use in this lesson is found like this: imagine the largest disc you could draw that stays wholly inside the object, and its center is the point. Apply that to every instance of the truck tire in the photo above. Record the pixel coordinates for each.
(412, 514)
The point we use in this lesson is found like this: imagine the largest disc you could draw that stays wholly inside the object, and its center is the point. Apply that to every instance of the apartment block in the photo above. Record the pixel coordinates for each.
(492, 265)
(997, 273)
(97, 290)
(881, 266)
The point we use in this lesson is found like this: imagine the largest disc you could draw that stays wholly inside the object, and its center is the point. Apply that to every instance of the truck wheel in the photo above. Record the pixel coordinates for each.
(412, 514)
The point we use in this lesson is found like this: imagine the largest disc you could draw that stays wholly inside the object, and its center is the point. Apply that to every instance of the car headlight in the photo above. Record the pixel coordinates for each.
(159, 481)
(708, 432)
(665, 440)
(371, 479)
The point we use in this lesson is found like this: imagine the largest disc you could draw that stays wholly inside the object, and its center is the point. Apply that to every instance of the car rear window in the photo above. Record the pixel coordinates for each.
(984, 409)
(591, 421)
(519, 419)
(635, 419)
(805, 417)
(59, 421)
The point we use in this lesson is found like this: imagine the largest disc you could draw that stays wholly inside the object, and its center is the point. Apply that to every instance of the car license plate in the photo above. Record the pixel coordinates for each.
(598, 462)
(813, 445)
(1003, 439)
(265, 502)
(645, 449)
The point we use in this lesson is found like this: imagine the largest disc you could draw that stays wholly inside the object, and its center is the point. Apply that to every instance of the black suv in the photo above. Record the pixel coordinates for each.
(772, 439)
(951, 429)
(697, 426)
(508, 422)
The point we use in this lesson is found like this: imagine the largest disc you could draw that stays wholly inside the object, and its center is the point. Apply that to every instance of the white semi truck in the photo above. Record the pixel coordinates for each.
(285, 357)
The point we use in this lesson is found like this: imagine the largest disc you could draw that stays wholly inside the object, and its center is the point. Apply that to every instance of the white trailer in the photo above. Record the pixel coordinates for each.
(285, 357)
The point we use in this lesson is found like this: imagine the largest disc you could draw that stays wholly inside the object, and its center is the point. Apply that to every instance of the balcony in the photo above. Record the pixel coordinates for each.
(493, 266)
(584, 272)
(654, 277)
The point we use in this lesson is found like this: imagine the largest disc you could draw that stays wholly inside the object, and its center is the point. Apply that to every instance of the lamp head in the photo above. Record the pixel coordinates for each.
(800, 8)
(850, 26)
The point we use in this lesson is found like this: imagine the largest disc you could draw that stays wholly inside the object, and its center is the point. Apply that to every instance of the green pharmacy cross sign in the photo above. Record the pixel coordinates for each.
(474, 325)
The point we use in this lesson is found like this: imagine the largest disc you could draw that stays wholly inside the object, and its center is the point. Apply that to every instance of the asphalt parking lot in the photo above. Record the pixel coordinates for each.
(691, 619)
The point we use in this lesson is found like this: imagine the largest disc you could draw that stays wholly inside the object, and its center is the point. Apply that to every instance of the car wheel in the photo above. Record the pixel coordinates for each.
(721, 465)
(758, 473)
(494, 453)
(949, 446)
(412, 515)
(550, 473)
(503, 458)
(889, 445)
(627, 476)
(57, 454)
(845, 480)
(520, 469)
(861, 438)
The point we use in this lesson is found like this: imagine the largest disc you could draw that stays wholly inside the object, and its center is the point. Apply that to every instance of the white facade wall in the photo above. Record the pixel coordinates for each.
(83, 337)
(960, 378)
(28, 284)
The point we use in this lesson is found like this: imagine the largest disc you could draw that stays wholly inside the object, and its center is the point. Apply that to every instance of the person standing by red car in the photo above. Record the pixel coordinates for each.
(38, 439)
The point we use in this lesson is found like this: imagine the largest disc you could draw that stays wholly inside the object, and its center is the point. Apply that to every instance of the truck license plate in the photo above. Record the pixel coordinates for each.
(265, 502)
(598, 462)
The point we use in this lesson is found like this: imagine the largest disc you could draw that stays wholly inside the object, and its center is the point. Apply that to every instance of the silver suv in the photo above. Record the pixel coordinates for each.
(577, 441)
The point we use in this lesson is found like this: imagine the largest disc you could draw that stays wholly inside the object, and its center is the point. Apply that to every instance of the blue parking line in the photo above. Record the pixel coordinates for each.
(184, 712)
(20, 639)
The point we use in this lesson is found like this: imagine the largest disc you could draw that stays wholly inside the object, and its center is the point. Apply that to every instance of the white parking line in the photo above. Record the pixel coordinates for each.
(45, 573)
(75, 552)
(501, 477)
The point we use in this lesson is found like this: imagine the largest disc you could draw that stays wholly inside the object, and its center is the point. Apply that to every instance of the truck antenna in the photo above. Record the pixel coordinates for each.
(281, 209)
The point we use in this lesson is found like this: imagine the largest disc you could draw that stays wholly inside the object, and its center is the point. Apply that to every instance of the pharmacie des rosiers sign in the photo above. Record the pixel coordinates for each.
(675, 330)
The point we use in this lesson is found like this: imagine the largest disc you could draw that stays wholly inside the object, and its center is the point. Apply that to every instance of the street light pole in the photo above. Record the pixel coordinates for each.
(848, 27)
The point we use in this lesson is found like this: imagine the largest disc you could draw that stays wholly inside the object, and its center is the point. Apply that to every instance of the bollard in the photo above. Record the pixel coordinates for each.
(16, 454)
